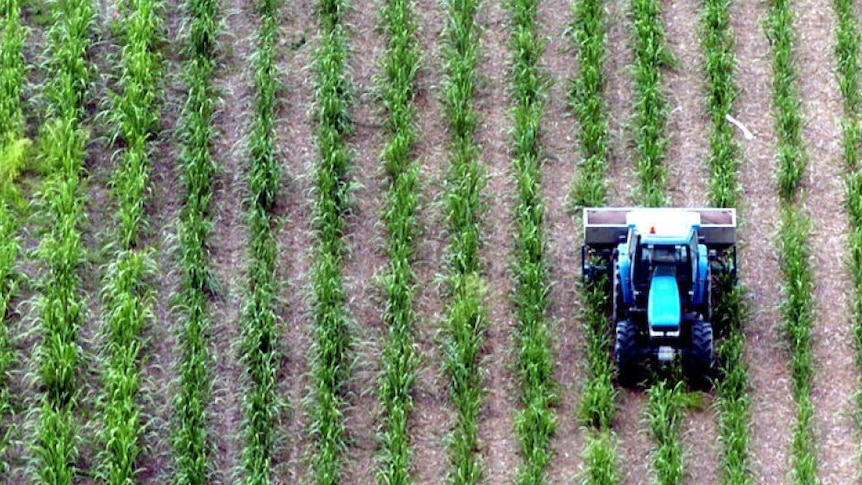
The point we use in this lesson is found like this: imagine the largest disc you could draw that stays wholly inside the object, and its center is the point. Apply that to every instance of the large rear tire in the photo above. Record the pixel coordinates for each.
(699, 362)
(625, 354)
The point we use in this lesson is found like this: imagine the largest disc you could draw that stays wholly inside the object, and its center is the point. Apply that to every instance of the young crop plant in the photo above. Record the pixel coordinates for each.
(650, 119)
(12, 143)
(260, 320)
(847, 53)
(732, 402)
(329, 353)
(597, 405)
(60, 307)
(664, 415)
(788, 119)
(129, 299)
(536, 422)
(796, 311)
(587, 102)
(466, 317)
(190, 441)
(400, 65)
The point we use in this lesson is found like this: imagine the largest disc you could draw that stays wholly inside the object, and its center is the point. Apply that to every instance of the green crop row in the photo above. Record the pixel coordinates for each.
(536, 422)
(732, 401)
(597, 405)
(260, 320)
(400, 65)
(587, 102)
(847, 53)
(664, 415)
(129, 299)
(788, 119)
(190, 441)
(466, 317)
(61, 250)
(650, 119)
(796, 311)
(12, 145)
(330, 365)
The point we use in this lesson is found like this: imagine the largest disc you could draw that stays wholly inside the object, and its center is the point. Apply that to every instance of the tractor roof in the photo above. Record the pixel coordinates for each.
(668, 226)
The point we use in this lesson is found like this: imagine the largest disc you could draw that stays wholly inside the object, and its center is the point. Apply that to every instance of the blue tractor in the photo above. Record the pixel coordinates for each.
(663, 266)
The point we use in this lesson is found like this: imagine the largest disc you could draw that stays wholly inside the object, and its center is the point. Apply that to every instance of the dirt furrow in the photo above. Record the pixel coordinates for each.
(688, 123)
(294, 135)
(563, 236)
(496, 428)
(836, 375)
(688, 186)
(633, 444)
(365, 239)
(161, 352)
(772, 405)
(229, 236)
(433, 415)
(623, 184)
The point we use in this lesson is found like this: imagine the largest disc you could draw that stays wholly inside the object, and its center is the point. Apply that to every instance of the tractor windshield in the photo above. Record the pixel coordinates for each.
(668, 259)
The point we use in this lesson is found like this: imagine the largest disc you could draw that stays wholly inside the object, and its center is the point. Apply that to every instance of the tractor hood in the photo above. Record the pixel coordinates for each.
(663, 307)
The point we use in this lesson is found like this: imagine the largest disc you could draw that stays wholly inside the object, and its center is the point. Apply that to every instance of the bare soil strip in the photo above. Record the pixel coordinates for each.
(294, 132)
(834, 355)
(619, 94)
(772, 402)
(687, 186)
(161, 352)
(688, 123)
(563, 234)
(632, 445)
(433, 417)
(500, 451)
(229, 236)
(365, 239)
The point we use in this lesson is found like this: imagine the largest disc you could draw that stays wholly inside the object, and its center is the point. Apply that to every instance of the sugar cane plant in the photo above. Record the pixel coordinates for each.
(466, 317)
(588, 103)
(61, 251)
(796, 310)
(597, 405)
(329, 353)
(536, 422)
(260, 318)
(12, 151)
(650, 119)
(129, 299)
(400, 65)
(192, 449)
(732, 402)
(847, 53)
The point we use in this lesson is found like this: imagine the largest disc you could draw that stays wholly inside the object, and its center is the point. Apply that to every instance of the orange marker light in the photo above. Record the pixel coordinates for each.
(652, 229)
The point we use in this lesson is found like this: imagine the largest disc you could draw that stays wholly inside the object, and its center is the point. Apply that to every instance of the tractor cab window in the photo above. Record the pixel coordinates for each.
(668, 259)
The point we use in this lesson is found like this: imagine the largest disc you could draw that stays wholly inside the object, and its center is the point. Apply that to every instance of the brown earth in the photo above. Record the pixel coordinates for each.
(837, 377)
(563, 237)
(294, 131)
(765, 352)
(433, 416)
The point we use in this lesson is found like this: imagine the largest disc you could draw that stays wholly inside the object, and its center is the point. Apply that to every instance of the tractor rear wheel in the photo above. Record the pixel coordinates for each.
(625, 354)
(700, 358)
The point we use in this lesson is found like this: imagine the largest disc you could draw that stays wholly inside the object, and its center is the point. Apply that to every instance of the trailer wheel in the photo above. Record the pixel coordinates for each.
(700, 358)
(625, 354)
